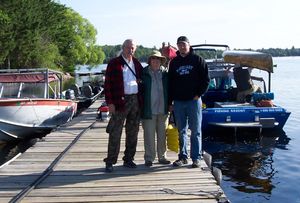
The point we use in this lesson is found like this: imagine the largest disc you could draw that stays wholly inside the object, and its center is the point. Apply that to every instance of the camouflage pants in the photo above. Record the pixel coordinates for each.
(115, 127)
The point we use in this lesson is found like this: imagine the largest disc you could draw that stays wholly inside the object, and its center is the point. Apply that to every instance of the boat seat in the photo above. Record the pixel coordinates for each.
(212, 96)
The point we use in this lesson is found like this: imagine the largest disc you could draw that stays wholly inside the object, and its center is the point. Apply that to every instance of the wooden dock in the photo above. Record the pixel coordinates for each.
(67, 166)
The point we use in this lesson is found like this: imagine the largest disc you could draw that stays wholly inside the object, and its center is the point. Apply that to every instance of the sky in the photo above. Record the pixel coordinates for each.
(241, 24)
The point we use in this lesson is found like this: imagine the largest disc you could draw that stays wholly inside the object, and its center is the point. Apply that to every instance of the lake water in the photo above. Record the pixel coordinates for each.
(266, 170)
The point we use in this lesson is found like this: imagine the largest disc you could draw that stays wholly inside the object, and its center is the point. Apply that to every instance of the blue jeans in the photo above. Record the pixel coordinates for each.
(188, 114)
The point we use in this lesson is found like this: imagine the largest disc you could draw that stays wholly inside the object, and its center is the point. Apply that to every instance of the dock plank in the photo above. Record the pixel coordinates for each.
(79, 176)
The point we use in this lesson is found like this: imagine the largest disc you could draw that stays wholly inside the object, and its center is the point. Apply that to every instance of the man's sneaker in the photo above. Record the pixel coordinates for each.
(196, 163)
(148, 163)
(164, 161)
(129, 164)
(180, 162)
(109, 168)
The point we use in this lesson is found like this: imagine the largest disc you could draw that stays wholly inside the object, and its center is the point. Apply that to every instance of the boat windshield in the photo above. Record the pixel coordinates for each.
(22, 90)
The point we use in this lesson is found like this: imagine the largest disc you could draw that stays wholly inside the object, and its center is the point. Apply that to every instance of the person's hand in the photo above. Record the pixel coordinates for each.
(196, 97)
(111, 108)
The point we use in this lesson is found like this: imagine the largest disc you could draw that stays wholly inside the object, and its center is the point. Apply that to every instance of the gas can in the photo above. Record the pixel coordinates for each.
(104, 113)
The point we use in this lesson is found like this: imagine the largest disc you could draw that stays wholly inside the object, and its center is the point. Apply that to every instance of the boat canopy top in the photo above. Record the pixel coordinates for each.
(251, 59)
(26, 78)
(34, 76)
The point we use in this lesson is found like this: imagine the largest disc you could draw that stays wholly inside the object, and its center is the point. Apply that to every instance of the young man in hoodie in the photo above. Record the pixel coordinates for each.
(188, 81)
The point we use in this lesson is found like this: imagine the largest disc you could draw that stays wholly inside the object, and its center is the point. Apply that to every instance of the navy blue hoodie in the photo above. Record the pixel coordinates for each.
(188, 77)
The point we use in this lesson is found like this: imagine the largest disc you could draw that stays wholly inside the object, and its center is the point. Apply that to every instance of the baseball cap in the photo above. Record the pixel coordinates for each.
(183, 39)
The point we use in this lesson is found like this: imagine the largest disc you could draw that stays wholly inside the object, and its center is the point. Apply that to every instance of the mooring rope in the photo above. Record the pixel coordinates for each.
(216, 194)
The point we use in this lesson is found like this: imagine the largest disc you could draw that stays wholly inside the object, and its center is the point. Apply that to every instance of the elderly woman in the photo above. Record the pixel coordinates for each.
(154, 112)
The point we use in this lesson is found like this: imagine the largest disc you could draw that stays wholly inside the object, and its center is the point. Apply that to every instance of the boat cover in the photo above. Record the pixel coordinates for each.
(252, 59)
(169, 51)
(26, 78)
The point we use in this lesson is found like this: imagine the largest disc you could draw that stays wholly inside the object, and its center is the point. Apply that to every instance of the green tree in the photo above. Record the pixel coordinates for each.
(77, 42)
(111, 51)
(142, 53)
(42, 33)
(29, 32)
(5, 33)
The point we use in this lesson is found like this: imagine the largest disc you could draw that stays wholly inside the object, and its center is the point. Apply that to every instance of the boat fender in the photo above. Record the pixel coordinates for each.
(207, 158)
(217, 173)
(262, 96)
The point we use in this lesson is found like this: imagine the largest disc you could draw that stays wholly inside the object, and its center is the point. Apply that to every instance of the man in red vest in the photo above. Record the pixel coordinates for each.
(123, 97)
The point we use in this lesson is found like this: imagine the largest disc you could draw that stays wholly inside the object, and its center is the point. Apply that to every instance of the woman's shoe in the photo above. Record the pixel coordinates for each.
(148, 163)
(164, 161)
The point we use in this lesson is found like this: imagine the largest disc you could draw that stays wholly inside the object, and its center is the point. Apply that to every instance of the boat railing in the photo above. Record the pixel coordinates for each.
(212, 53)
(26, 70)
(219, 65)
(211, 45)
(260, 79)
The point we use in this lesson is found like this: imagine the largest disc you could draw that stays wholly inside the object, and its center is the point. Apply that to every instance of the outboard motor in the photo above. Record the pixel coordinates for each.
(76, 89)
(87, 91)
(70, 94)
(96, 90)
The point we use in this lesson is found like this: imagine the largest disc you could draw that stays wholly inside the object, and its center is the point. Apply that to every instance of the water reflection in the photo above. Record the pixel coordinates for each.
(247, 164)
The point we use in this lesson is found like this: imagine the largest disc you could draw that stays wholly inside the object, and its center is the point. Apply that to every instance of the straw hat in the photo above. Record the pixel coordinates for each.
(156, 53)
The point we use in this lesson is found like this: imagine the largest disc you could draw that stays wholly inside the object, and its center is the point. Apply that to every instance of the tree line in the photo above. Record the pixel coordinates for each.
(142, 53)
(44, 33)
(277, 52)
(111, 51)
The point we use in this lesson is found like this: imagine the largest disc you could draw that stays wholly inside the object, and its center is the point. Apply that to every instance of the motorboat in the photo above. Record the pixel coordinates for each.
(31, 103)
(238, 96)
(85, 96)
(89, 85)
